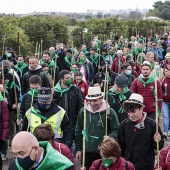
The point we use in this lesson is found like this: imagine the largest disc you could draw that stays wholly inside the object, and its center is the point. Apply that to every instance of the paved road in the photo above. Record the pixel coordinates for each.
(167, 142)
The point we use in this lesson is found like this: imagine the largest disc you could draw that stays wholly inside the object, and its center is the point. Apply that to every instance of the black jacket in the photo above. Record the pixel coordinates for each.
(8, 79)
(137, 145)
(26, 104)
(116, 103)
(62, 64)
(100, 79)
(65, 124)
(72, 102)
(39, 72)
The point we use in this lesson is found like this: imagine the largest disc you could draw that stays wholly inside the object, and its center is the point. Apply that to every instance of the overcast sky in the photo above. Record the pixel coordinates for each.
(28, 6)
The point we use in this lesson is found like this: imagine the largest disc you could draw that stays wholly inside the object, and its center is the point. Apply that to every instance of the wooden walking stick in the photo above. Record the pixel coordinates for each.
(99, 62)
(84, 138)
(3, 80)
(16, 100)
(156, 105)
(107, 88)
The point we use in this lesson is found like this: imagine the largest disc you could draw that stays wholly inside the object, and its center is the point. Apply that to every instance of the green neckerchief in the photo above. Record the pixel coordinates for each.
(1, 97)
(122, 97)
(94, 59)
(14, 84)
(82, 62)
(149, 81)
(20, 69)
(140, 60)
(157, 73)
(58, 88)
(51, 64)
(152, 64)
(31, 93)
(68, 61)
(105, 57)
(38, 113)
(119, 65)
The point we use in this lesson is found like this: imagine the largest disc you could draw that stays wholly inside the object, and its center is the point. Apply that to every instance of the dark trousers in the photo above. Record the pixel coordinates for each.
(1, 144)
(151, 115)
(89, 158)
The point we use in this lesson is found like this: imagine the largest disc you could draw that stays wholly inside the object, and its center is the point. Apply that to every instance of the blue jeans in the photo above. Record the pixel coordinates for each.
(166, 116)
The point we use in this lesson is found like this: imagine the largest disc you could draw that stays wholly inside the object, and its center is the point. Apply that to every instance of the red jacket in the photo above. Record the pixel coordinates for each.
(63, 149)
(118, 165)
(4, 121)
(83, 87)
(115, 64)
(164, 158)
(166, 85)
(147, 93)
(138, 68)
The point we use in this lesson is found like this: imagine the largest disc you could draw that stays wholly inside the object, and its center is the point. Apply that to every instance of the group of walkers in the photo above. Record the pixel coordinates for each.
(97, 105)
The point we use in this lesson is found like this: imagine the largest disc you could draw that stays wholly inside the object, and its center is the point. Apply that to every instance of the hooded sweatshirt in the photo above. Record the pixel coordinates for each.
(95, 127)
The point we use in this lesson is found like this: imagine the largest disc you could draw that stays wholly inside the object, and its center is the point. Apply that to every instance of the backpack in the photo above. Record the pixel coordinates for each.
(27, 76)
(126, 165)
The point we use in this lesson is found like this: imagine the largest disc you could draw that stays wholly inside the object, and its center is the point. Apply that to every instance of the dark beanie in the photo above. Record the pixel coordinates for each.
(121, 80)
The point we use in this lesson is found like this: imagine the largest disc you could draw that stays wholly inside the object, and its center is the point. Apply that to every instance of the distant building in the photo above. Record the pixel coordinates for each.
(152, 18)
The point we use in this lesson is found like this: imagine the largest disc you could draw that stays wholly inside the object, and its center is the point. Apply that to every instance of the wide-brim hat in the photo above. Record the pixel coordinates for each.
(135, 99)
(94, 93)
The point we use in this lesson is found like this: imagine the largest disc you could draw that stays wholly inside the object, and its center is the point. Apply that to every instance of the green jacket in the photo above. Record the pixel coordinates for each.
(95, 129)
(53, 160)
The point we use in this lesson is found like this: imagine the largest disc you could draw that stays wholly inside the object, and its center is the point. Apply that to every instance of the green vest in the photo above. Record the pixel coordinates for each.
(55, 121)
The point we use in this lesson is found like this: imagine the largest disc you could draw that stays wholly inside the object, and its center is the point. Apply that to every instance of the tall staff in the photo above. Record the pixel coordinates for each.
(3, 80)
(84, 138)
(156, 105)
(99, 62)
(106, 95)
(15, 92)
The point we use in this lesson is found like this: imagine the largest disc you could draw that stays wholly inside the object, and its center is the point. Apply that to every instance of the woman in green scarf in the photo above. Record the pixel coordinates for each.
(86, 68)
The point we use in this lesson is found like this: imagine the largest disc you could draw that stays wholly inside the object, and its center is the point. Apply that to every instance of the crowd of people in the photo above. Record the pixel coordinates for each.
(103, 97)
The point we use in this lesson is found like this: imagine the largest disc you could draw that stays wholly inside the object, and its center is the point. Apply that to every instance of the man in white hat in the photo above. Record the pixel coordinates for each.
(95, 126)
(145, 86)
(137, 135)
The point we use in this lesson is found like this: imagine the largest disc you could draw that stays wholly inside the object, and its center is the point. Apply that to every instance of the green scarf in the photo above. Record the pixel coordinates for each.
(119, 65)
(1, 97)
(157, 73)
(149, 81)
(82, 62)
(94, 59)
(14, 84)
(35, 92)
(51, 64)
(20, 69)
(140, 60)
(105, 57)
(122, 97)
(152, 65)
(68, 61)
(58, 88)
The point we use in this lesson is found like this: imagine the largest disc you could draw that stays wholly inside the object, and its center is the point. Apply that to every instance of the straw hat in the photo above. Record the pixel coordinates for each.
(135, 99)
(94, 93)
